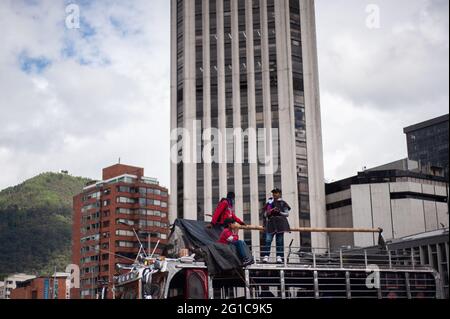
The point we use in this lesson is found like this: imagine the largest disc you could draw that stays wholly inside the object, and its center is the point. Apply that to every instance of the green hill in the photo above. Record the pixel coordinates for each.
(35, 224)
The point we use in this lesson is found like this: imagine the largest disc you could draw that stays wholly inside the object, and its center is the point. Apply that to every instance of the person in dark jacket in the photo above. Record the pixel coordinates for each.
(230, 236)
(276, 213)
(224, 211)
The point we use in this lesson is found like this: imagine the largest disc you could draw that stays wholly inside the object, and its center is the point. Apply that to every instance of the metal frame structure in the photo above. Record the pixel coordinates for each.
(342, 275)
(377, 273)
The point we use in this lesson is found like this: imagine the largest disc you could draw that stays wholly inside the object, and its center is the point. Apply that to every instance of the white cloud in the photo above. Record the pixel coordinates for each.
(358, 136)
(105, 93)
(375, 82)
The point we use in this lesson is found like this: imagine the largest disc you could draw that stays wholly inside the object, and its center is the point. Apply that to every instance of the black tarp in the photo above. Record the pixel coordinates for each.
(197, 237)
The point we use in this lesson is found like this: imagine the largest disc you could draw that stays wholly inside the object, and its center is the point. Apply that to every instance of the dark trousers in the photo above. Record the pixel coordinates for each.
(240, 246)
(279, 242)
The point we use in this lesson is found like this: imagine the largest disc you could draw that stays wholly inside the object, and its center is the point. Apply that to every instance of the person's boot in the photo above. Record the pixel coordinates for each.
(248, 262)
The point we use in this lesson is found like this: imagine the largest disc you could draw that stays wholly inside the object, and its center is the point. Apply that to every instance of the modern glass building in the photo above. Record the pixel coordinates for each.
(249, 65)
(428, 143)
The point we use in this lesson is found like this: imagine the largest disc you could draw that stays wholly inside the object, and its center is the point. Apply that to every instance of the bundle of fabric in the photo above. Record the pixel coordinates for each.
(199, 238)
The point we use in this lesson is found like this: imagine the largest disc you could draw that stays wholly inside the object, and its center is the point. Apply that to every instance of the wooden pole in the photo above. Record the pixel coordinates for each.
(316, 230)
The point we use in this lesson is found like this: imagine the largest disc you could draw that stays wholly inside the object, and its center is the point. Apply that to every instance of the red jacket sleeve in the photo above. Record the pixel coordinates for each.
(219, 210)
(237, 220)
(227, 234)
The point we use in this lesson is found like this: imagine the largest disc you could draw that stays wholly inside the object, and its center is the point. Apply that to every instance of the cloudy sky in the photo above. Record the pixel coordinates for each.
(78, 99)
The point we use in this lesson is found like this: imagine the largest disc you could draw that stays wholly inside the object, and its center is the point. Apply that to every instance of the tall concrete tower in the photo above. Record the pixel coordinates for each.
(249, 66)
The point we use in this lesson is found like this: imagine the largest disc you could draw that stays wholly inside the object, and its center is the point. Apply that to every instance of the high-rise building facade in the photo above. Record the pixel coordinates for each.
(111, 219)
(250, 66)
(428, 143)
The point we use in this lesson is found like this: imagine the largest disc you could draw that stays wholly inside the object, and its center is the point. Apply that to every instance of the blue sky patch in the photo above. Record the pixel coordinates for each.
(86, 29)
(118, 25)
(81, 3)
(68, 50)
(32, 2)
(30, 64)
(122, 28)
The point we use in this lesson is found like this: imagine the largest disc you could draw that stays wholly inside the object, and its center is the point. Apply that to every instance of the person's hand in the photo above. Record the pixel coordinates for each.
(237, 226)
(209, 226)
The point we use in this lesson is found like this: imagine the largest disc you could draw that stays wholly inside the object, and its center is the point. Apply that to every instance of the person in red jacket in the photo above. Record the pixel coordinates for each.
(224, 211)
(230, 236)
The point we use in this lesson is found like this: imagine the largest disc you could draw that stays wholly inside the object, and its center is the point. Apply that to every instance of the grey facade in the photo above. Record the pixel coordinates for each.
(401, 165)
(248, 64)
(402, 203)
(428, 143)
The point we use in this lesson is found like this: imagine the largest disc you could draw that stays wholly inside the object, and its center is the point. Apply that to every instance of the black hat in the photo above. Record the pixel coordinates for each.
(227, 222)
(231, 195)
(277, 191)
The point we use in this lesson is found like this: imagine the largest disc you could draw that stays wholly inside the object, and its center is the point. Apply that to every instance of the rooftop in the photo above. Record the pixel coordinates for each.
(20, 277)
(426, 124)
(439, 232)
(120, 169)
(126, 178)
(378, 176)
(61, 275)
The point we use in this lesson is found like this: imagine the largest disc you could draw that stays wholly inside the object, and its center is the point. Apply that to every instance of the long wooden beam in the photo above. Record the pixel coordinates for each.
(316, 230)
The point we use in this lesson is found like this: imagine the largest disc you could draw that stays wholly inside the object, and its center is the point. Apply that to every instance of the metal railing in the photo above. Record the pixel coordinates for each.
(266, 284)
(339, 284)
(341, 259)
(343, 274)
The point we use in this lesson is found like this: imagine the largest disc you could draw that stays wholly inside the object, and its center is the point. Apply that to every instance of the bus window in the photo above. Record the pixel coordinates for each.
(299, 284)
(332, 284)
(155, 289)
(393, 285)
(423, 286)
(265, 284)
(359, 288)
(128, 291)
(177, 284)
(197, 285)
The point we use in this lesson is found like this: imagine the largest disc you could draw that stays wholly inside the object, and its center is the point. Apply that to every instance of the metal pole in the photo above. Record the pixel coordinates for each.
(283, 285)
(54, 285)
(149, 242)
(92, 283)
(140, 243)
(154, 250)
(314, 258)
(110, 277)
(390, 259)
(247, 284)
